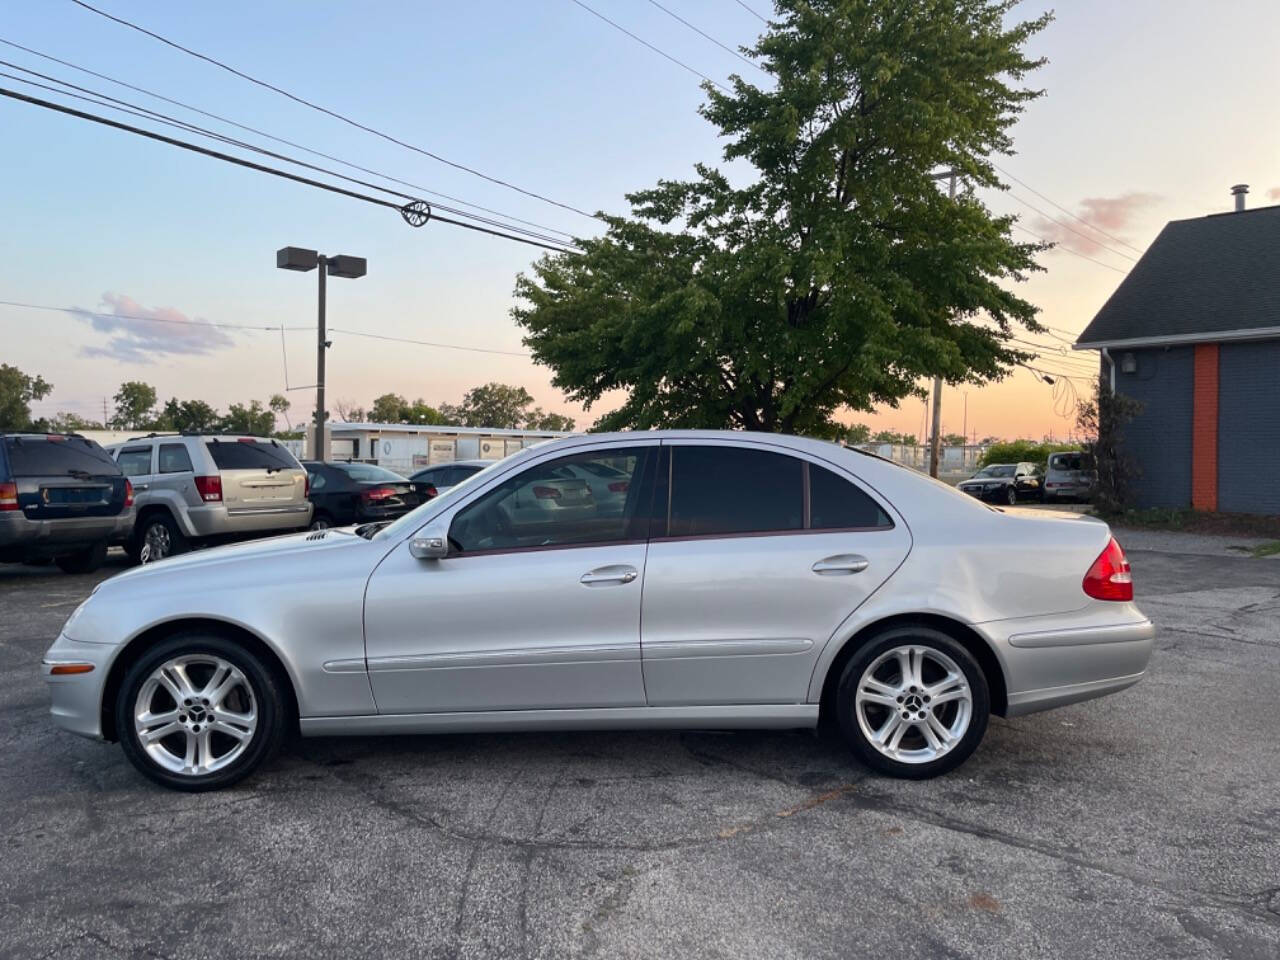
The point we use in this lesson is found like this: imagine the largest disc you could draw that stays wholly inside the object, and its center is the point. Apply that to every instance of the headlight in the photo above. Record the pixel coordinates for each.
(71, 620)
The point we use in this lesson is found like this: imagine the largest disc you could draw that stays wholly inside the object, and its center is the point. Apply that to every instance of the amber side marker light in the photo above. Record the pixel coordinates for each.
(64, 669)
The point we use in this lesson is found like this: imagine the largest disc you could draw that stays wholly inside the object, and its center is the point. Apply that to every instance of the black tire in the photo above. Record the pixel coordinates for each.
(268, 703)
(928, 639)
(83, 561)
(164, 530)
(1011, 496)
(320, 521)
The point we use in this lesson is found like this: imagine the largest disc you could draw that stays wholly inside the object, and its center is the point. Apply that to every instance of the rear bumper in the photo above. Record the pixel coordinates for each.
(216, 520)
(1051, 665)
(19, 532)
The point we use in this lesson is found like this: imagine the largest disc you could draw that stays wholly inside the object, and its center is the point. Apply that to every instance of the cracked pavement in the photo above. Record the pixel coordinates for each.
(1139, 825)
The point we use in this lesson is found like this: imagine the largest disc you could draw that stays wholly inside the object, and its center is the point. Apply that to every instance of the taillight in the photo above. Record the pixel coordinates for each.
(209, 488)
(619, 486)
(128, 493)
(429, 491)
(546, 493)
(8, 496)
(306, 485)
(1109, 577)
(379, 493)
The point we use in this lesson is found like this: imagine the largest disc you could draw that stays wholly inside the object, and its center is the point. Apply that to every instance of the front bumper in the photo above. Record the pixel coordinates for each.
(981, 493)
(77, 698)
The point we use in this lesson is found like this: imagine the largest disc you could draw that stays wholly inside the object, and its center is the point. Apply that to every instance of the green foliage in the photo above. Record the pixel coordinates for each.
(134, 405)
(890, 436)
(254, 419)
(503, 406)
(66, 422)
(838, 274)
(858, 433)
(1023, 451)
(17, 390)
(953, 440)
(1103, 418)
(393, 408)
(187, 416)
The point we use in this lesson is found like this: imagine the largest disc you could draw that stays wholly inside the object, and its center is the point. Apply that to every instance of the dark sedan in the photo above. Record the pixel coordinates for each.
(346, 493)
(1005, 483)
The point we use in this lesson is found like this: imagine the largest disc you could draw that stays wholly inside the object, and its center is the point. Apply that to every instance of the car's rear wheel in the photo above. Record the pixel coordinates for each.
(199, 712)
(321, 521)
(1011, 496)
(913, 703)
(83, 561)
(156, 537)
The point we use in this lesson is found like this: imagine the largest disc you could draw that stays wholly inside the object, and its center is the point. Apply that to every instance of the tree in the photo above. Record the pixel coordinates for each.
(187, 416)
(348, 411)
(17, 390)
(890, 436)
(954, 440)
(858, 433)
(1023, 451)
(279, 405)
(1102, 419)
(535, 419)
(840, 275)
(67, 422)
(254, 420)
(388, 408)
(134, 403)
(498, 405)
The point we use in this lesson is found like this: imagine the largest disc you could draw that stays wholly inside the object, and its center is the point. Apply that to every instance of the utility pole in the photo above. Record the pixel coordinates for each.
(323, 263)
(935, 443)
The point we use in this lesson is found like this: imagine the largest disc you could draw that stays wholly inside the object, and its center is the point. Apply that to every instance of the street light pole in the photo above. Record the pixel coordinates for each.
(935, 442)
(302, 260)
(323, 262)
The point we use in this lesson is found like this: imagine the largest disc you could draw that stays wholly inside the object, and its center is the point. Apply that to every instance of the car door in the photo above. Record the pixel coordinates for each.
(762, 555)
(136, 461)
(535, 607)
(174, 478)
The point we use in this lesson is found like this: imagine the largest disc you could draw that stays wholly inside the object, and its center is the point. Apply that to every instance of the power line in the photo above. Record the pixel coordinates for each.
(430, 343)
(270, 136)
(125, 316)
(725, 47)
(1066, 249)
(1067, 226)
(332, 113)
(147, 113)
(261, 168)
(640, 40)
(759, 17)
(1064, 209)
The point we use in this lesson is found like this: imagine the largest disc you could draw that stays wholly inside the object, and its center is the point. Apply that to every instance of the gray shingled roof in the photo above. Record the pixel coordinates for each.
(1200, 277)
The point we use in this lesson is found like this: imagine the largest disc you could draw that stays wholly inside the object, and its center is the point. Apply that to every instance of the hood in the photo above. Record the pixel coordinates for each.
(268, 550)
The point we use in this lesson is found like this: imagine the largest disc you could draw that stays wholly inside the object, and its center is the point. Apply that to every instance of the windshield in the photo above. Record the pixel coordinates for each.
(415, 518)
(996, 470)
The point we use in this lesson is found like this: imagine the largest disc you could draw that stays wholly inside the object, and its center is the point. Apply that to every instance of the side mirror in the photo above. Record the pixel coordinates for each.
(430, 544)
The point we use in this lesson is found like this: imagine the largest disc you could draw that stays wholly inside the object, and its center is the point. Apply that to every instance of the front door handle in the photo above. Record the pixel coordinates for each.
(614, 573)
(841, 565)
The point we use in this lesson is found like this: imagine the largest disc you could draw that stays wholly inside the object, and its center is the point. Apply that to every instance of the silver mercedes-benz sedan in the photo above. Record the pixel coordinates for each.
(748, 580)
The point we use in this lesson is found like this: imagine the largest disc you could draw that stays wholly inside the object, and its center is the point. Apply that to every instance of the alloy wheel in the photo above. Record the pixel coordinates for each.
(156, 543)
(319, 523)
(913, 704)
(195, 714)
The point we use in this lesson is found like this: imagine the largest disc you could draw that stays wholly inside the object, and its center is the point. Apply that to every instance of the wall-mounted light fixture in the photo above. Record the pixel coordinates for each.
(1128, 363)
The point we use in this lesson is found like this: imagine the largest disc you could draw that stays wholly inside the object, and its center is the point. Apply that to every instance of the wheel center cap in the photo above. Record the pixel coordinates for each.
(913, 702)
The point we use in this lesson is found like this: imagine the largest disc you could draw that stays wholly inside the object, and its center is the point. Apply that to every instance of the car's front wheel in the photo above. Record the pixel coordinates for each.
(199, 712)
(1011, 496)
(913, 703)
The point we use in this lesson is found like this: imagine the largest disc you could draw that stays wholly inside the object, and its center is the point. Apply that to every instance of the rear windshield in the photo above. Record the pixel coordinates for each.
(250, 455)
(367, 471)
(39, 457)
(1070, 461)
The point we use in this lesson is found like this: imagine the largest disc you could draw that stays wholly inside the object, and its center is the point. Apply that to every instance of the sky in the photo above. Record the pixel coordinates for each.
(1152, 110)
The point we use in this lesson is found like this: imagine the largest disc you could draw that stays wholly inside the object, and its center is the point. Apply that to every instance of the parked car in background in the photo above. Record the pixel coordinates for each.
(1005, 483)
(1070, 475)
(750, 580)
(446, 476)
(347, 493)
(62, 498)
(194, 489)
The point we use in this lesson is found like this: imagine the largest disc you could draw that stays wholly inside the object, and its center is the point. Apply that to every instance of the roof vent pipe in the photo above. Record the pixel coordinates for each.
(1238, 191)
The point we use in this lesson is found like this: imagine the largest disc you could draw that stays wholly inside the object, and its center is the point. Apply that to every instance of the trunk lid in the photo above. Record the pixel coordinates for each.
(257, 474)
(60, 477)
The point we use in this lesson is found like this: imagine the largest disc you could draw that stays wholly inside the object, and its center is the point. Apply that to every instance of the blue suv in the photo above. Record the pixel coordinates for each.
(63, 498)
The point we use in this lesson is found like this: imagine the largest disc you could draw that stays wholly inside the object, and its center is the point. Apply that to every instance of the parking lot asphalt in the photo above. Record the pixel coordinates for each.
(1141, 825)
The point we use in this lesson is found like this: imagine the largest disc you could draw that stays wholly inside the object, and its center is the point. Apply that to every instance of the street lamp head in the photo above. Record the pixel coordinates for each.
(348, 267)
(296, 258)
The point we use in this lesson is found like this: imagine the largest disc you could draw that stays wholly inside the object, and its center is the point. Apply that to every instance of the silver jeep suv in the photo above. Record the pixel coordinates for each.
(194, 489)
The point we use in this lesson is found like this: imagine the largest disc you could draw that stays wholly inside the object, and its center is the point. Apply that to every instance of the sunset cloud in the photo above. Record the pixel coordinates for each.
(146, 334)
(1102, 216)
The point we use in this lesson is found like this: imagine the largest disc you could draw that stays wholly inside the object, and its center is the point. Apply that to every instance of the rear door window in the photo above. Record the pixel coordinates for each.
(41, 457)
(174, 458)
(135, 461)
(836, 504)
(728, 490)
(250, 455)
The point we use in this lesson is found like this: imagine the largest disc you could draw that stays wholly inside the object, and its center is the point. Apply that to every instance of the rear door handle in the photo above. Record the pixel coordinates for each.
(841, 565)
(141, 486)
(614, 573)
